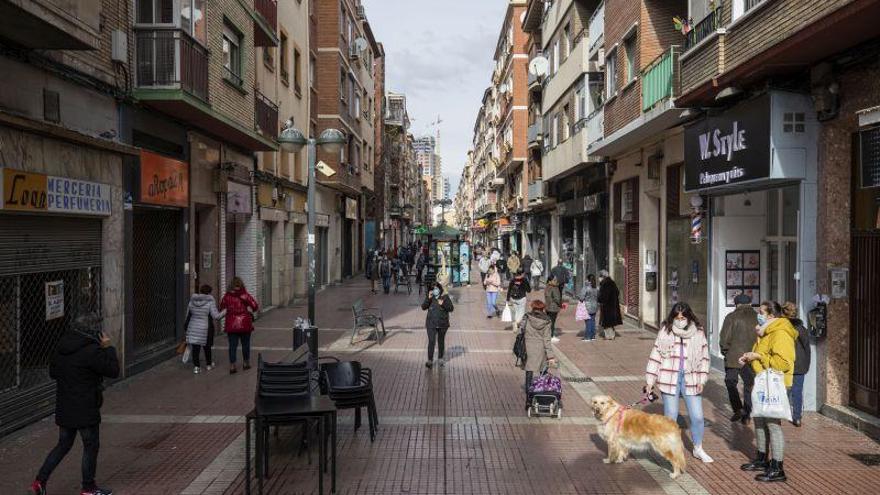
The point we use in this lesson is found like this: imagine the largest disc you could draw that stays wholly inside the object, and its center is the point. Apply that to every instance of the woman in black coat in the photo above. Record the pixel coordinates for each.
(438, 305)
(609, 304)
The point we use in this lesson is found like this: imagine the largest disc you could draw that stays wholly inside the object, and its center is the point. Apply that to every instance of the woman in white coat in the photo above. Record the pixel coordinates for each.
(201, 315)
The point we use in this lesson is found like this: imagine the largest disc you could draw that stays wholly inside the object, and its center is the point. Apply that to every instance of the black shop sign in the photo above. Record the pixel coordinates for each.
(729, 148)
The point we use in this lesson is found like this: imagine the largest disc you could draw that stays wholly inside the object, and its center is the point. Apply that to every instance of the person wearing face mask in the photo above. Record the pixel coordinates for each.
(679, 366)
(775, 349)
(438, 305)
(492, 283)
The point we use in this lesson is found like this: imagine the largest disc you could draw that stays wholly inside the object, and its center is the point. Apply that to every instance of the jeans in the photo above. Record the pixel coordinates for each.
(731, 379)
(694, 404)
(437, 335)
(245, 339)
(491, 298)
(386, 284)
(796, 398)
(590, 328)
(196, 351)
(91, 442)
(552, 323)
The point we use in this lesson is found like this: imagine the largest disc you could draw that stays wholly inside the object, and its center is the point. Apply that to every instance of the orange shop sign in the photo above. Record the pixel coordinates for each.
(164, 181)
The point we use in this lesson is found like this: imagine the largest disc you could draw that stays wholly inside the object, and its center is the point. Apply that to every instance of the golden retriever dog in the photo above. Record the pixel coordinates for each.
(628, 429)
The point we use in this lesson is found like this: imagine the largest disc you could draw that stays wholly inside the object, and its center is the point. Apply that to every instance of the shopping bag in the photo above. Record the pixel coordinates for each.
(536, 269)
(581, 313)
(186, 355)
(519, 348)
(507, 314)
(769, 397)
(547, 382)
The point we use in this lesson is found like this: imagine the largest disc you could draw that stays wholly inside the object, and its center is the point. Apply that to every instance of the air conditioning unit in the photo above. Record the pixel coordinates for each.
(353, 52)
(361, 12)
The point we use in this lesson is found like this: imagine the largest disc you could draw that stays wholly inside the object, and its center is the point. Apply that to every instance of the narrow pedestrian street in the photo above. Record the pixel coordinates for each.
(460, 429)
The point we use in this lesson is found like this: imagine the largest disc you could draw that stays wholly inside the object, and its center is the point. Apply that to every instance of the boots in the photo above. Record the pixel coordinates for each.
(758, 464)
(774, 472)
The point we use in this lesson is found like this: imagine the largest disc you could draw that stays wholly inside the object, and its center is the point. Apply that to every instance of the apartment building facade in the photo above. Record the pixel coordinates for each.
(568, 192)
(344, 74)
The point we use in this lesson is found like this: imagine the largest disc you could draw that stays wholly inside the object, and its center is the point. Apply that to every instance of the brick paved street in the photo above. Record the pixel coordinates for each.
(457, 430)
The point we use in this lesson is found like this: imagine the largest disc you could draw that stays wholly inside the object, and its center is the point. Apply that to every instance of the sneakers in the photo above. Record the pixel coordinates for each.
(97, 491)
(429, 364)
(209, 367)
(196, 370)
(554, 339)
(37, 488)
(701, 454)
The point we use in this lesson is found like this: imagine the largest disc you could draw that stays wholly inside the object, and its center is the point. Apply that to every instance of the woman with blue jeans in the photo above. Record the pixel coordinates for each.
(492, 283)
(679, 366)
(590, 297)
(801, 362)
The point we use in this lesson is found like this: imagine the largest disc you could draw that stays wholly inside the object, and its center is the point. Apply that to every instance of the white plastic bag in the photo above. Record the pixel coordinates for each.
(769, 396)
(507, 314)
(186, 354)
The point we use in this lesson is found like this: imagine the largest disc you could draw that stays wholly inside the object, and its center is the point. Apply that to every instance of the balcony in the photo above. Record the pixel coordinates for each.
(536, 192)
(571, 69)
(266, 115)
(171, 76)
(565, 155)
(595, 126)
(596, 32)
(536, 134)
(703, 29)
(265, 23)
(52, 25)
(660, 79)
(171, 59)
(535, 82)
(497, 183)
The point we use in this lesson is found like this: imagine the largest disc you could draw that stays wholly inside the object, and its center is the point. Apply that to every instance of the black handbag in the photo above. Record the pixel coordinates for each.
(519, 348)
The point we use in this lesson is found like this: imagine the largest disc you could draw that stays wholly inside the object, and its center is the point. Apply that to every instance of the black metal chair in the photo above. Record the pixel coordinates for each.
(350, 386)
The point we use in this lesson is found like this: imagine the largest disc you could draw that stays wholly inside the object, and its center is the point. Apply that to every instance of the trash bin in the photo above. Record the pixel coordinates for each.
(306, 334)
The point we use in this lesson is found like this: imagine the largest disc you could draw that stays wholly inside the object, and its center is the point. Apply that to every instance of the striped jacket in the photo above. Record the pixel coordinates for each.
(665, 362)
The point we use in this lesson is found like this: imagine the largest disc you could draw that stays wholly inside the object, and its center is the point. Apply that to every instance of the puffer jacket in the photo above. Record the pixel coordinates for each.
(438, 311)
(239, 305)
(776, 348)
(536, 326)
(79, 367)
(202, 311)
(519, 288)
(553, 297)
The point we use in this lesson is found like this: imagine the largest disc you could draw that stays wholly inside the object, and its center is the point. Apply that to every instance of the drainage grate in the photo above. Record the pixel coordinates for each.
(577, 379)
(869, 460)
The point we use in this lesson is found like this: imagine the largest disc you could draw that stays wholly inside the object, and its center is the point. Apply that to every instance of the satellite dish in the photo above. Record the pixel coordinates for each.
(361, 44)
(502, 88)
(539, 66)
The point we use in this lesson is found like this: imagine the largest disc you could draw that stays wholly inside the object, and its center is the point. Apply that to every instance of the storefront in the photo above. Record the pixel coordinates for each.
(627, 262)
(55, 264)
(754, 169)
(538, 232)
(583, 232)
(158, 256)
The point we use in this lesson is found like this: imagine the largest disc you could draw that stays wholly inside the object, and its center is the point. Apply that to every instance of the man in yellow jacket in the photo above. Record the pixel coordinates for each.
(773, 350)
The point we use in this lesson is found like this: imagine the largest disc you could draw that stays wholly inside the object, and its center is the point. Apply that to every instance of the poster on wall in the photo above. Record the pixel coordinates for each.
(54, 299)
(742, 276)
(465, 261)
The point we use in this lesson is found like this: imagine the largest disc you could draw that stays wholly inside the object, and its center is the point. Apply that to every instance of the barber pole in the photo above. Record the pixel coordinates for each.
(696, 219)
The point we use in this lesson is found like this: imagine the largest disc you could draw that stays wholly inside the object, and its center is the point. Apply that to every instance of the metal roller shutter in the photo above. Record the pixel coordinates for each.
(35, 250)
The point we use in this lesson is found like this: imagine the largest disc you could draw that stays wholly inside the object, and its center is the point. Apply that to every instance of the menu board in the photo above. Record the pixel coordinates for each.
(742, 275)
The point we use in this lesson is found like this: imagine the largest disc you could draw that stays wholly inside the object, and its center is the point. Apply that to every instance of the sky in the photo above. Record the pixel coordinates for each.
(439, 54)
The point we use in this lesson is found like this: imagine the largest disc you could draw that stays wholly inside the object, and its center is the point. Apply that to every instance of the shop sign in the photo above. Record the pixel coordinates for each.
(54, 299)
(729, 148)
(592, 202)
(238, 199)
(164, 181)
(28, 191)
(351, 209)
(322, 220)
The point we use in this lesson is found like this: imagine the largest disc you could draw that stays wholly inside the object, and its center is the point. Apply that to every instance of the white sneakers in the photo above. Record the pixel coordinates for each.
(701, 454)
(209, 367)
(196, 370)
(554, 339)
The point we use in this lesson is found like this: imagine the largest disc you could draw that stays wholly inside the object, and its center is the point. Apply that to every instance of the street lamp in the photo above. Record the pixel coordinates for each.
(443, 203)
(292, 140)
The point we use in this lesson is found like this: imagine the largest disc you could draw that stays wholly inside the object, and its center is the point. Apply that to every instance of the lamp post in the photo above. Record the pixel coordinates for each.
(331, 141)
(443, 203)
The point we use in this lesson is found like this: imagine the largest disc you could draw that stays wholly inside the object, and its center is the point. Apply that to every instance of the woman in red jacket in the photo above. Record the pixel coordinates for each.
(239, 306)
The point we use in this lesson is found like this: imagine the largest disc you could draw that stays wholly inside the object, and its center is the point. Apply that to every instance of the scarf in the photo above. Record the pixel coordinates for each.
(693, 357)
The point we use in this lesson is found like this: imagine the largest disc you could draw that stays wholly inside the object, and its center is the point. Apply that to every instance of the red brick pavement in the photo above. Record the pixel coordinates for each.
(456, 430)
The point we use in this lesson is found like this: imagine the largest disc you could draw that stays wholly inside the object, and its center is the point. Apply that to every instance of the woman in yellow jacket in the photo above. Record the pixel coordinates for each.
(773, 350)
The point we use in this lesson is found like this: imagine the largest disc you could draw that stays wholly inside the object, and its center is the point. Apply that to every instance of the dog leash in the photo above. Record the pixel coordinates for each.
(647, 398)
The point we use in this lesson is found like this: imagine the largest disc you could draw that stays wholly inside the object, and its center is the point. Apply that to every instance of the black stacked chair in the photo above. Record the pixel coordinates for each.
(280, 387)
(350, 386)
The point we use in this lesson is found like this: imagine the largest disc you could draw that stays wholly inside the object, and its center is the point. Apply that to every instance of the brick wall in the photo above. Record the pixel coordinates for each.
(656, 32)
(97, 63)
(620, 15)
(232, 102)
